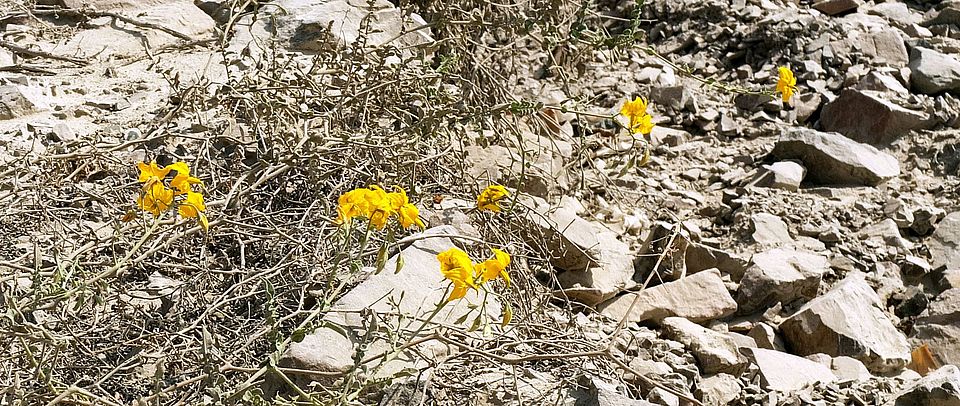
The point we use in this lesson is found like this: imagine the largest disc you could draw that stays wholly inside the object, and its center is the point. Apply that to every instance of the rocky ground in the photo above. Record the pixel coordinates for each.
(775, 253)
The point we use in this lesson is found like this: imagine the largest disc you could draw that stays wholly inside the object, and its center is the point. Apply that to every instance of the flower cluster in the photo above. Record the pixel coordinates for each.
(378, 206)
(490, 198)
(787, 84)
(456, 266)
(155, 197)
(636, 112)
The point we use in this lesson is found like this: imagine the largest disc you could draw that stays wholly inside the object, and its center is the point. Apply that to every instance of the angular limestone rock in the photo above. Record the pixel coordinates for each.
(783, 372)
(831, 158)
(848, 320)
(780, 275)
(698, 297)
(714, 351)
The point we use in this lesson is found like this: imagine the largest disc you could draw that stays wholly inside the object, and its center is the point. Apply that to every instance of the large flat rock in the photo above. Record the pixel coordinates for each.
(784, 372)
(831, 158)
(848, 320)
(699, 297)
(868, 117)
(780, 275)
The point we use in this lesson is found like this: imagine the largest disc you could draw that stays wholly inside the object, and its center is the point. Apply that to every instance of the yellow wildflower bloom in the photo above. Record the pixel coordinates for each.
(787, 84)
(155, 198)
(151, 172)
(492, 268)
(456, 266)
(380, 207)
(353, 204)
(407, 213)
(183, 180)
(192, 207)
(636, 112)
(488, 199)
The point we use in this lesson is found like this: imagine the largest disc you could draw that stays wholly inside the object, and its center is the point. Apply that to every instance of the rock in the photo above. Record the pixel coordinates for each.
(786, 175)
(714, 351)
(886, 121)
(699, 257)
(849, 369)
(925, 220)
(719, 389)
(415, 290)
(908, 303)
(940, 388)
(543, 176)
(648, 368)
(17, 101)
(805, 105)
(946, 16)
(780, 275)
(612, 274)
(885, 47)
(848, 320)
(602, 393)
(914, 267)
(834, 7)
(673, 97)
(783, 372)
(939, 327)
(883, 83)
(932, 72)
(944, 244)
(571, 240)
(950, 279)
(766, 337)
(886, 232)
(313, 25)
(699, 297)
(770, 230)
(109, 37)
(831, 158)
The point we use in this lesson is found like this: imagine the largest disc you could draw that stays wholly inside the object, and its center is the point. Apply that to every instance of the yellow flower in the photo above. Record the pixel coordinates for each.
(456, 266)
(407, 213)
(151, 172)
(353, 204)
(488, 199)
(380, 206)
(192, 207)
(183, 180)
(155, 198)
(489, 270)
(787, 84)
(636, 112)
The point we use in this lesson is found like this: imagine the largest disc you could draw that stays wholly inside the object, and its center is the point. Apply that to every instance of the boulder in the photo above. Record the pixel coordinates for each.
(698, 297)
(932, 72)
(783, 372)
(719, 389)
(940, 388)
(770, 230)
(313, 25)
(944, 244)
(714, 351)
(780, 275)
(612, 273)
(834, 7)
(939, 327)
(866, 116)
(831, 158)
(766, 337)
(785, 175)
(848, 320)
(699, 257)
(17, 101)
(849, 370)
(414, 291)
(885, 47)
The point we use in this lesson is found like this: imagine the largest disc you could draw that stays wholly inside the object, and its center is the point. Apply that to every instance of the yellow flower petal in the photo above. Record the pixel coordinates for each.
(488, 199)
(457, 267)
(156, 198)
(151, 171)
(183, 180)
(787, 83)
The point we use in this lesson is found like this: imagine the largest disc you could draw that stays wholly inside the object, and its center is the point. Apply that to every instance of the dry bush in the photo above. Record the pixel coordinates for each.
(88, 319)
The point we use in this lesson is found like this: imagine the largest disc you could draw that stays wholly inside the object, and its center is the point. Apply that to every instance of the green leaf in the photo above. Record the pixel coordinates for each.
(476, 324)
(507, 314)
(399, 263)
(381, 258)
(462, 318)
(298, 335)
